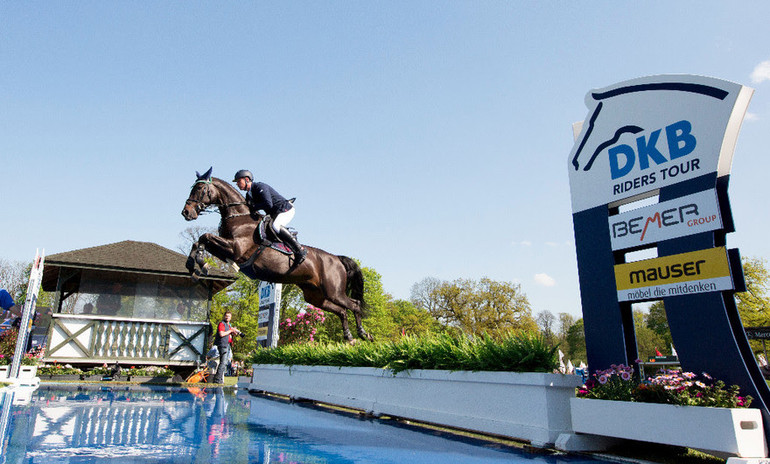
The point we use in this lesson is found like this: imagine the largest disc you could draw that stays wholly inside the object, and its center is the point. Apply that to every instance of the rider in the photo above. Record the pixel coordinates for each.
(261, 196)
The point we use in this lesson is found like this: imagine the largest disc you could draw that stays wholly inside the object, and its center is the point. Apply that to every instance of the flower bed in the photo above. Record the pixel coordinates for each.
(666, 387)
(672, 407)
(59, 370)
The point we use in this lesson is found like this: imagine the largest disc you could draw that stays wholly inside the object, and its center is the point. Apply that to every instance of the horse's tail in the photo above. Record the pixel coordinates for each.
(355, 281)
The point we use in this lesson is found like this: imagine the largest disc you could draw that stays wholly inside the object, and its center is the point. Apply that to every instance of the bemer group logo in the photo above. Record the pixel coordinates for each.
(687, 215)
(651, 132)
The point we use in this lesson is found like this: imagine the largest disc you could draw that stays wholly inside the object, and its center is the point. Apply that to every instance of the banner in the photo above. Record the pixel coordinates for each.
(687, 215)
(682, 274)
(652, 132)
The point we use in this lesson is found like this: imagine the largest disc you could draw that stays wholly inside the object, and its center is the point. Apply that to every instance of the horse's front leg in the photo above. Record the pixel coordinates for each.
(219, 247)
(193, 257)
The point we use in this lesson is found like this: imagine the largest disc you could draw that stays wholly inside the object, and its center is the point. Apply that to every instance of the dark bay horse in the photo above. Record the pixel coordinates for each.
(332, 283)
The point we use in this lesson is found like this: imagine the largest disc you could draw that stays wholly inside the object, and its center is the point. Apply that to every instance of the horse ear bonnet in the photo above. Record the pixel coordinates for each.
(206, 175)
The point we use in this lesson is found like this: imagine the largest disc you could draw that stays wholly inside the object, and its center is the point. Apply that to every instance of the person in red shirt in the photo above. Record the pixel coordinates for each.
(223, 340)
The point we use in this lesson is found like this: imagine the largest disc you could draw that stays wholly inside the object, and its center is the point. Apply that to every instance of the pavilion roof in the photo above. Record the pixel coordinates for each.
(129, 257)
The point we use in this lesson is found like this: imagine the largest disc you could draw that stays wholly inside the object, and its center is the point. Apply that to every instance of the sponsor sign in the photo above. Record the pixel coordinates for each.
(758, 333)
(266, 293)
(262, 333)
(269, 310)
(687, 215)
(676, 275)
(651, 132)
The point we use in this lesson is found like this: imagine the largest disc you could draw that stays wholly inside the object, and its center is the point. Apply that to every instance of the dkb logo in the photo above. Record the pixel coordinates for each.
(680, 140)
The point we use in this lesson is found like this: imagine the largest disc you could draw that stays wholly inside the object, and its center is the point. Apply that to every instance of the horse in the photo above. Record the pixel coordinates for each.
(330, 282)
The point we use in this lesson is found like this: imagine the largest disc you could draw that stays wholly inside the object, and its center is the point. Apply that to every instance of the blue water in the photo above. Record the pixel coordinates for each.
(139, 424)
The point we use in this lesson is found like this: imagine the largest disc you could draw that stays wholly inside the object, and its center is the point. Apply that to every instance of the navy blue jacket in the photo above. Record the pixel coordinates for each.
(264, 197)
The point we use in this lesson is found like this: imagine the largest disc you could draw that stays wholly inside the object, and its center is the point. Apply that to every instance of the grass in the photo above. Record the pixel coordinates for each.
(517, 352)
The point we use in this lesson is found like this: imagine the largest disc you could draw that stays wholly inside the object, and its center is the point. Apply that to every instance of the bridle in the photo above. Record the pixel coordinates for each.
(203, 201)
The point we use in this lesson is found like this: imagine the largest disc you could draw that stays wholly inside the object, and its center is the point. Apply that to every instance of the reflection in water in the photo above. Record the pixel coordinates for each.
(140, 424)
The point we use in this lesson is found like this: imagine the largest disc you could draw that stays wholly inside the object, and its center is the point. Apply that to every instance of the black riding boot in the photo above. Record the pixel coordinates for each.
(299, 252)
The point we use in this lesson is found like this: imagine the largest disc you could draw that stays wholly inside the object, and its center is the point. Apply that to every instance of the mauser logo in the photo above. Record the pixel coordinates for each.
(695, 213)
(685, 273)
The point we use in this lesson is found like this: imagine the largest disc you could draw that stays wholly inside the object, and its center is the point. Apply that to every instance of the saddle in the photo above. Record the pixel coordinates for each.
(265, 236)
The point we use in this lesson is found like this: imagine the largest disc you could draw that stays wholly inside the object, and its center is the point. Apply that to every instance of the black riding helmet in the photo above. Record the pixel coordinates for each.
(243, 173)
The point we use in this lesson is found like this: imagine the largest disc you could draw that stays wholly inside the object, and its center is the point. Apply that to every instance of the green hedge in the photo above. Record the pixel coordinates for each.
(519, 352)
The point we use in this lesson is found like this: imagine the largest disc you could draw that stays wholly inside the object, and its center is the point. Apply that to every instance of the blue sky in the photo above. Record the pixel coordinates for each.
(426, 139)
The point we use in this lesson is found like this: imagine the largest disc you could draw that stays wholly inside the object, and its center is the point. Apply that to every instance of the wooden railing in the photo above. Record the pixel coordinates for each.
(101, 339)
(160, 426)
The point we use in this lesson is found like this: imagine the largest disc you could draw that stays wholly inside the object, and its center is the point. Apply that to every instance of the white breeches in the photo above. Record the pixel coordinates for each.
(283, 219)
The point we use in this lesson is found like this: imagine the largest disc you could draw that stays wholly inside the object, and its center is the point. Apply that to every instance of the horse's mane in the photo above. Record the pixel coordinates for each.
(227, 190)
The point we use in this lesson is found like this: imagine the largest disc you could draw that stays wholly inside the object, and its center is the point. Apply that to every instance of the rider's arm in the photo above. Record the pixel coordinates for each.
(262, 196)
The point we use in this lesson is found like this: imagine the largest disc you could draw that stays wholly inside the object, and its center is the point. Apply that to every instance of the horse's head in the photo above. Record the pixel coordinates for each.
(202, 194)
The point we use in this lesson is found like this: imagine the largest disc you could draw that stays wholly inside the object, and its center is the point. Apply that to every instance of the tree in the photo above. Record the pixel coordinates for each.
(754, 304)
(422, 296)
(657, 322)
(566, 320)
(545, 320)
(14, 276)
(475, 307)
(576, 342)
(647, 341)
(190, 236)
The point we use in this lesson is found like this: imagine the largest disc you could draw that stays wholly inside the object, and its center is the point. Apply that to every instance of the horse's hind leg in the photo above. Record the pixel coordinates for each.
(358, 314)
(345, 301)
(329, 305)
(316, 298)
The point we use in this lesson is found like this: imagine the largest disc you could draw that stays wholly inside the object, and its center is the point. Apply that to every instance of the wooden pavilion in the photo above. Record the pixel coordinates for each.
(129, 303)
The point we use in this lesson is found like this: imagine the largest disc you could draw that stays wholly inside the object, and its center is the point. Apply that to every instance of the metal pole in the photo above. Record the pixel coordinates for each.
(33, 288)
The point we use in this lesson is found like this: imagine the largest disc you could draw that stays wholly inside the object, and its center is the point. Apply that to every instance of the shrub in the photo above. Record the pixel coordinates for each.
(518, 352)
(302, 328)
